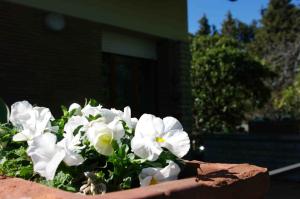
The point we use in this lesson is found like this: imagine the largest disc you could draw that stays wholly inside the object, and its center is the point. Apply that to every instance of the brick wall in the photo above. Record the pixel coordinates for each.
(50, 68)
(174, 92)
(185, 104)
(46, 67)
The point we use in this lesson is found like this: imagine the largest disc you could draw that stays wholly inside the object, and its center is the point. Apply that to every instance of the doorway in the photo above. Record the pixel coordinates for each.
(131, 82)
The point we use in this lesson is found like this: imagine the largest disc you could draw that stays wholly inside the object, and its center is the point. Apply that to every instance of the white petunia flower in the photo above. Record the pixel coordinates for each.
(75, 107)
(101, 137)
(151, 176)
(45, 155)
(30, 121)
(153, 133)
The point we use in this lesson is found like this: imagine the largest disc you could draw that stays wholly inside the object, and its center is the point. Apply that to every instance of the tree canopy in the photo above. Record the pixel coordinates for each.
(227, 83)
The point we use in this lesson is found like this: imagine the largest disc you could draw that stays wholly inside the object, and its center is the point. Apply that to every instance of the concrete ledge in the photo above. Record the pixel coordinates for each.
(212, 181)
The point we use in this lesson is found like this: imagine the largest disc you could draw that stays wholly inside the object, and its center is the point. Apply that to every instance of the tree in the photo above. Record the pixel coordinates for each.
(280, 21)
(277, 42)
(238, 30)
(214, 30)
(227, 83)
(280, 26)
(245, 32)
(229, 26)
(204, 26)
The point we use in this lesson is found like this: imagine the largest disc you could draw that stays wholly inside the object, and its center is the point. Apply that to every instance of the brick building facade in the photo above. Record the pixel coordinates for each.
(50, 67)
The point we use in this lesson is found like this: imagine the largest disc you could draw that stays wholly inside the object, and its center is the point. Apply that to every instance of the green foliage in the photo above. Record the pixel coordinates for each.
(229, 26)
(124, 168)
(280, 21)
(14, 161)
(280, 24)
(277, 42)
(204, 26)
(62, 181)
(238, 30)
(287, 104)
(227, 83)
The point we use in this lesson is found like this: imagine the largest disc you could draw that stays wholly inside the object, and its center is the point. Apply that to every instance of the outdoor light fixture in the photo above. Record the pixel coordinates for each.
(55, 21)
(201, 148)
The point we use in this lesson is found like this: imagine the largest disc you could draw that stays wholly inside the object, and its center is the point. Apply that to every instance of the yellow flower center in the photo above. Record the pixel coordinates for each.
(159, 139)
(153, 181)
(105, 139)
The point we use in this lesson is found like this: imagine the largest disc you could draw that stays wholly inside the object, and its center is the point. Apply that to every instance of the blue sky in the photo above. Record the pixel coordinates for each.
(215, 10)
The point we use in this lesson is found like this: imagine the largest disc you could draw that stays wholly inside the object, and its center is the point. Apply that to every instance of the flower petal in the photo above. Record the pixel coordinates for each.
(145, 181)
(170, 172)
(74, 122)
(171, 124)
(52, 165)
(108, 115)
(20, 137)
(145, 126)
(134, 121)
(100, 136)
(178, 142)
(103, 144)
(145, 149)
(152, 175)
(43, 117)
(20, 112)
(45, 155)
(91, 110)
(158, 125)
(117, 127)
(73, 159)
(75, 107)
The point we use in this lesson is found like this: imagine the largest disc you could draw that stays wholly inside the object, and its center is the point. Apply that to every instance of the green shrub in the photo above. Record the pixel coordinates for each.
(227, 83)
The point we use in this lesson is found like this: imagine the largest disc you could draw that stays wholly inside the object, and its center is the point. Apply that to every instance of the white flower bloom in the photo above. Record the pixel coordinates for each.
(70, 144)
(75, 107)
(91, 110)
(113, 114)
(101, 137)
(153, 133)
(109, 115)
(113, 118)
(31, 121)
(131, 122)
(74, 122)
(45, 155)
(117, 128)
(151, 176)
(21, 113)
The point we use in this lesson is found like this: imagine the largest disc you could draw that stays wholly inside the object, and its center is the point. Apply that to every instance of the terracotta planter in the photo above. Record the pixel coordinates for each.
(209, 181)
